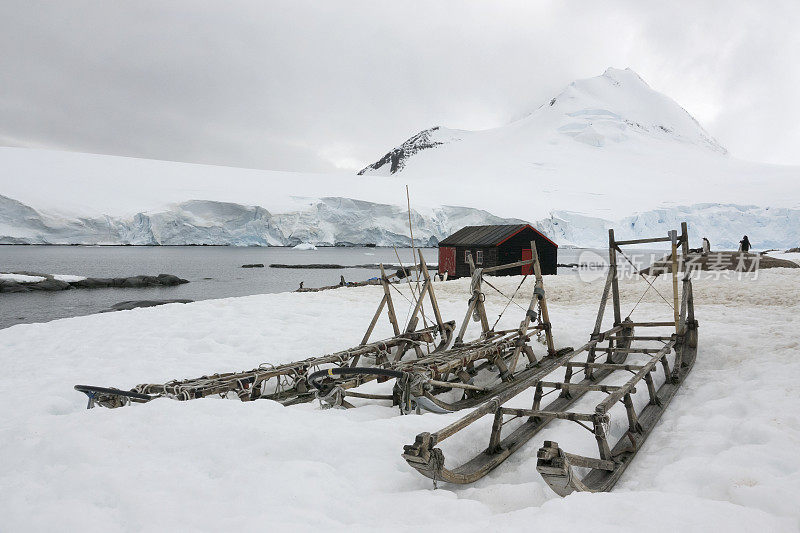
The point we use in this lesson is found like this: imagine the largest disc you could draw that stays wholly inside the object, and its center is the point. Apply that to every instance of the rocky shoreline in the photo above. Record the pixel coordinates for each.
(719, 261)
(48, 282)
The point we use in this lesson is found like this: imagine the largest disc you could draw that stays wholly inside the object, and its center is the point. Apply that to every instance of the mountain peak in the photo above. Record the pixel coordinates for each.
(615, 108)
(626, 75)
(619, 106)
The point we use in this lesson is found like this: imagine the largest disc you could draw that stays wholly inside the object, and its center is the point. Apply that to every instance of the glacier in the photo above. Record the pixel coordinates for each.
(722, 224)
(335, 221)
(327, 221)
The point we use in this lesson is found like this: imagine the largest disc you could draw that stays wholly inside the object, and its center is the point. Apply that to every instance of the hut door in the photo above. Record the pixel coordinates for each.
(447, 261)
(526, 269)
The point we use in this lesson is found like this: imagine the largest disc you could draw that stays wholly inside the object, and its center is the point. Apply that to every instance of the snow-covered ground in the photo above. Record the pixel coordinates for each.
(790, 256)
(723, 458)
(69, 278)
(25, 278)
(20, 278)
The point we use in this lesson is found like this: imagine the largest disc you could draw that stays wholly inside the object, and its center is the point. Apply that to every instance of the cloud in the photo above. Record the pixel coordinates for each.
(320, 86)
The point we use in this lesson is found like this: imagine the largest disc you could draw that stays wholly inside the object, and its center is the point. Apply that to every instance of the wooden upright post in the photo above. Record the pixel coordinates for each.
(540, 298)
(431, 294)
(537, 271)
(473, 302)
(673, 235)
(684, 242)
(373, 322)
(479, 307)
(612, 264)
(389, 303)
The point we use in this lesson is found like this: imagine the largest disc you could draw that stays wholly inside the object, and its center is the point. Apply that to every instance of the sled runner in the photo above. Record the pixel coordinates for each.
(665, 357)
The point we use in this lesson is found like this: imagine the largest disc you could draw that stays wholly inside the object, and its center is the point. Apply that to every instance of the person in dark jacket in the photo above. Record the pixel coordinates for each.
(744, 245)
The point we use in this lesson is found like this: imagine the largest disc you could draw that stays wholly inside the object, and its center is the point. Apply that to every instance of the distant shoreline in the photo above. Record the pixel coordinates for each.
(236, 246)
(207, 245)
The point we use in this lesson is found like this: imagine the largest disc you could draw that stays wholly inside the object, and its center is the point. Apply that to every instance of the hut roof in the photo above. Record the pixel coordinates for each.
(487, 235)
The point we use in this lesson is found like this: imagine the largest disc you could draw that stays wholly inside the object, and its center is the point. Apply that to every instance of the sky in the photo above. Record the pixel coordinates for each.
(332, 85)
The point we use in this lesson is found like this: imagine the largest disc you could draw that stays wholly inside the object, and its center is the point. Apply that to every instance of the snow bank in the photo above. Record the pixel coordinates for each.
(69, 278)
(723, 458)
(21, 278)
(305, 246)
(790, 256)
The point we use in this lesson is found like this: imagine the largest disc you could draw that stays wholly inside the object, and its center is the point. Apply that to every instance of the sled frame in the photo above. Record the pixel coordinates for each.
(454, 368)
(286, 383)
(606, 352)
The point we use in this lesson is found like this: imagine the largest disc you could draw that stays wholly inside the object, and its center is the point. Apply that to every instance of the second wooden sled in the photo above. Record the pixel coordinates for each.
(556, 466)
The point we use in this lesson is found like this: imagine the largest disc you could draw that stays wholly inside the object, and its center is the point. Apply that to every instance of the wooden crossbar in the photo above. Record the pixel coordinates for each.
(614, 397)
(579, 387)
(605, 366)
(563, 415)
(642, 241)
(507, 266)
(641, 338)
(629, 350)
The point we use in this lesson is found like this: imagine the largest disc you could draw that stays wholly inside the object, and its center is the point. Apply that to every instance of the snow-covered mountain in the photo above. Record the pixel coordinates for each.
(606, 147)
(615, 108)
(606, 151)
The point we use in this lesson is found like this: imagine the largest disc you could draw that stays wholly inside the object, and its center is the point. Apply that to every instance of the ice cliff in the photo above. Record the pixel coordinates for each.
(325, 221)
(344, 221)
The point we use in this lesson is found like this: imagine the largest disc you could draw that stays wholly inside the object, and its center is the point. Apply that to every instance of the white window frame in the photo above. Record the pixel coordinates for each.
(478, 257)
(466, 256)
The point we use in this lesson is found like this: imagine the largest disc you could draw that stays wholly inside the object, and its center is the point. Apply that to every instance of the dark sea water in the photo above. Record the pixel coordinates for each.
(213, 272)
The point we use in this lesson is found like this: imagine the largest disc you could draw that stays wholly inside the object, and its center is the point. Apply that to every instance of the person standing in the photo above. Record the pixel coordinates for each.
(744, 245)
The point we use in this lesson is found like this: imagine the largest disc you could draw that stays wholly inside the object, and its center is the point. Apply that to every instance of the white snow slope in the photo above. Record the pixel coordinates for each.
(606, 146)
(723, 457)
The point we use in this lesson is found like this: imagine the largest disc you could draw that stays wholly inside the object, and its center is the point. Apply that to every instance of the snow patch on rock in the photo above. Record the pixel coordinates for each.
(69, 278)
(21, 278)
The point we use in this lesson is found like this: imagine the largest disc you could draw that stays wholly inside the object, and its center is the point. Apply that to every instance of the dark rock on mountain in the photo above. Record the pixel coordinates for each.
(397, 157)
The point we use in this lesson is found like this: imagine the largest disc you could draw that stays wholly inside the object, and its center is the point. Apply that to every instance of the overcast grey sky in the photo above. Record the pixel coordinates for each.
(326, 85)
